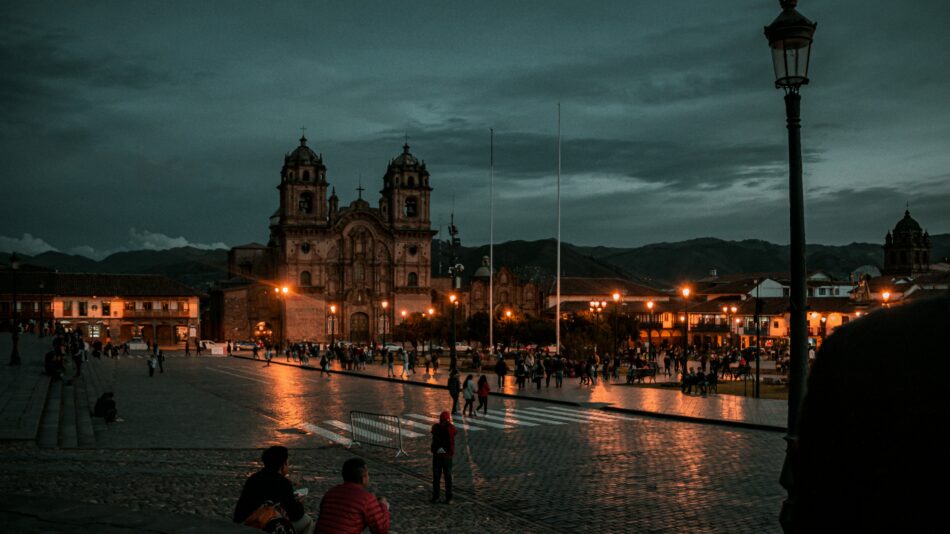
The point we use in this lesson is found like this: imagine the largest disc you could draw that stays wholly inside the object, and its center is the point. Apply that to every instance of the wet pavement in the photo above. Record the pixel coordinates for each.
(191, 435)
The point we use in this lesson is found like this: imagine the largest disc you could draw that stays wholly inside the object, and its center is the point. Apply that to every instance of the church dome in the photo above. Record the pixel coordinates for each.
(907, 225)
(484, 271)
(406, 159)
(302, 155)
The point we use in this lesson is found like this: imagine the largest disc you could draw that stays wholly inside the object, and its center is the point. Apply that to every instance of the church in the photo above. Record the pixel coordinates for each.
(331, 272)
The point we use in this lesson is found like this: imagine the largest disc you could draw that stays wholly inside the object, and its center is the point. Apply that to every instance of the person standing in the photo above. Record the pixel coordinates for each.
(443, 449)
(468, 393)
(161, 361)
(187, 348)
(152, 362)
(390, 372)
(325, 365)
(483, 390)
(454, 389)
(558, 371)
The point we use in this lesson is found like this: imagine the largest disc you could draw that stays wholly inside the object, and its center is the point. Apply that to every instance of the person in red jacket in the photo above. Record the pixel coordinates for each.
(443, 449)
(483, 390)
(349, 508)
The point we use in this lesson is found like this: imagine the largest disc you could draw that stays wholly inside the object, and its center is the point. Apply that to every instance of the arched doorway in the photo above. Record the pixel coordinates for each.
(359, 328)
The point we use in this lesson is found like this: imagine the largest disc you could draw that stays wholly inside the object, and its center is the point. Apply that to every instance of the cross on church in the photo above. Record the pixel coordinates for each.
(303, 131)
(360, 189)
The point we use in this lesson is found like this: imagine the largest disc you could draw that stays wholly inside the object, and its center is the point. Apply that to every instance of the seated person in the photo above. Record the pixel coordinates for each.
(105, 407)
(349, 508)
(271, 484)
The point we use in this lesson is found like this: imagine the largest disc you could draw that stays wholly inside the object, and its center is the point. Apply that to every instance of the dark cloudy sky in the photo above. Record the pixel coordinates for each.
(151, 124)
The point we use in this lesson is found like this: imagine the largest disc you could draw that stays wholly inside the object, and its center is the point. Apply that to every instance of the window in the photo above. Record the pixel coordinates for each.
(83, 308)
(165, 305)
(106, 309)
(306, 176)
(822, 291)
(412, 207)
(306, 203)
(413, 280)
(774, 324)
(183, 305)
(305, 278)
(147, 305)
(305, 248)
(94, 330)
(129, 305)
(412, 181)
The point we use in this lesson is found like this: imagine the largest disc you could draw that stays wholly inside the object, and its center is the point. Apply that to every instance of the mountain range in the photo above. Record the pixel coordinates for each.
(657, 264)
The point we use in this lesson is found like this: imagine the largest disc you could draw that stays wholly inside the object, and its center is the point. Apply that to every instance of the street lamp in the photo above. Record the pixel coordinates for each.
(886, 296)
(790, 39)
(15, 353)
(384, 304)
(616, 296)
(650, 330)
(281, 293)
(332, 324)
(685, 291)
(453, 352)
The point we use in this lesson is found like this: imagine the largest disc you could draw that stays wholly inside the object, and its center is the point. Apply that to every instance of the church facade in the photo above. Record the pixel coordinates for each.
(332, 272)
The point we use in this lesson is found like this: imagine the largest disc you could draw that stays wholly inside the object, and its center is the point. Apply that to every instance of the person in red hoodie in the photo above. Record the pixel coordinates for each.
(349, 508)
(443, 449)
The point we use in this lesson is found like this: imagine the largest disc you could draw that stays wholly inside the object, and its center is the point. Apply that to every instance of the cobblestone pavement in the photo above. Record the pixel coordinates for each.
(190, 436)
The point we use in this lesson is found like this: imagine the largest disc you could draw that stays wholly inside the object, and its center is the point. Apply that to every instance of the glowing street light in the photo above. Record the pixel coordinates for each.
(384, 304)
(650, 330)
(332, 324)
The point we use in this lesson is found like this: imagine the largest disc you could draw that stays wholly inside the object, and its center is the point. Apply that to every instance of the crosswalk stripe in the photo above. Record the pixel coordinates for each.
(579, 418)
(358, 431)
(433, 420)
(510, 420)
(392, 429)
(333, 436)
(481, 421)
(236, 375)
(467, 423)
(406, 421)
(594, 413)
(574, 414)
(571, 416)
(535, 417)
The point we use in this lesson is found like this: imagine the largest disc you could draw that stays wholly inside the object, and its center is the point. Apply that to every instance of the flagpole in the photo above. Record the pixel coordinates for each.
(491, 243)
(557, 323)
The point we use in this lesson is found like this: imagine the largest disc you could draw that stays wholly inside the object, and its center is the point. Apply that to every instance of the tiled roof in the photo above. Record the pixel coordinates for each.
(83, 284)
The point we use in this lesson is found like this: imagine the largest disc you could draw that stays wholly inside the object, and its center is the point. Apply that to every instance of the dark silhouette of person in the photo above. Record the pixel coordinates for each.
(869, 457)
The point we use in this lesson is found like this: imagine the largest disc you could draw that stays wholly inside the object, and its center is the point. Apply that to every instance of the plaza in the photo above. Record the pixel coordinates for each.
(190, 436)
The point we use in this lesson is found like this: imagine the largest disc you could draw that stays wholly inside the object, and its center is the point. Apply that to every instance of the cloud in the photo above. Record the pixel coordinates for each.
(147, 240)
(25, 245)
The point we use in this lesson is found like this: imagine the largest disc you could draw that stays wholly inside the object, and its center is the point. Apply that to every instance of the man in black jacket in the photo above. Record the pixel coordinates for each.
(455, 387)
(271, 484)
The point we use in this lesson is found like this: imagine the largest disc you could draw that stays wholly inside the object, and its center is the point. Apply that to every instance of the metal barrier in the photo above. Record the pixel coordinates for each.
(381, 430)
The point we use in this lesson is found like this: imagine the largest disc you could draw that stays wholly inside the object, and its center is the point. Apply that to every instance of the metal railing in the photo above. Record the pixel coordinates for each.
(381, 430)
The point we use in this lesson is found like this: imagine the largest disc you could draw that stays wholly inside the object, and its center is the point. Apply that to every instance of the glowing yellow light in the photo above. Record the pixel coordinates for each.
(616, 296)
(650, 305)
(385, 304)
(333, 308)
(686, 292)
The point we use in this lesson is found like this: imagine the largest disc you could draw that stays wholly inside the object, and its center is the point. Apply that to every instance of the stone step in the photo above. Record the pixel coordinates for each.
(68, 438)
(48, 435)
(85, 433)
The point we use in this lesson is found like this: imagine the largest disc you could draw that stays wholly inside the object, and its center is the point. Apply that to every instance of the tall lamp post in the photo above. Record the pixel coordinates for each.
(790, 38)
(15, 353)
(886, 296)
(281, 293)
(685, 293)
(650, 331)
(453, 362)
(385, 305)
(616, 296)
(332, 324)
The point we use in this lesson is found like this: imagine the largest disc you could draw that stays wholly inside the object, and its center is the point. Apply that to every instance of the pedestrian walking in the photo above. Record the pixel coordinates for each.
(468, 393)
(483, 390)
(161, 361)
(187, 349)
(152, 362)
(501, 369)
(537, 374)
(325, 366)
(454, 389)
(443, 449)
(390, 372)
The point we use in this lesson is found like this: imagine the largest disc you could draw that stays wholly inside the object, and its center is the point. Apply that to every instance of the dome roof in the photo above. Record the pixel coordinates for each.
(484, 271)
(406, 159)
(907, 224)
(302, 155)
